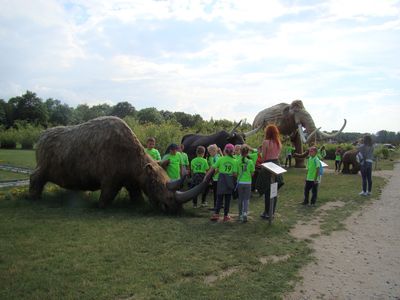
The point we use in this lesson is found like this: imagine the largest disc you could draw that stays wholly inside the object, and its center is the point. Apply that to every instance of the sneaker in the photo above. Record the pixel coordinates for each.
(363, 193)
(241, 218)
(264, 215)
(368, 193)
(312, 204)
(304, 203)
(204, 204)
(194, 206)
(227, 218)
(244, 218)
(214, 217)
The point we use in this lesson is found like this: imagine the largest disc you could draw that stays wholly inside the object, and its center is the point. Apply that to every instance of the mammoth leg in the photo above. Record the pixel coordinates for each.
(37, 182)
(298, 145)
(107, 195)
(135, 193)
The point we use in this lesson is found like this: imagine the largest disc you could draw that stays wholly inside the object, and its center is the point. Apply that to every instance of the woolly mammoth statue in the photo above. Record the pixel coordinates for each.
(350, 164)
(291, 119)
(104, 154)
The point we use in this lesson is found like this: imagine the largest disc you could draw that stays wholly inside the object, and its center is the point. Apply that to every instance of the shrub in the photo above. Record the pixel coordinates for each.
(165, 133)
(9, 139)
(28, 135)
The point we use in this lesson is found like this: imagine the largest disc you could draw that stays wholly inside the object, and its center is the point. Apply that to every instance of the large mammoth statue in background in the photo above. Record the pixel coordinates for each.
(291, 119)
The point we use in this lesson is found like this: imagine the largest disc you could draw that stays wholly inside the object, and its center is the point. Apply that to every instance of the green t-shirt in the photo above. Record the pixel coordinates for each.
(185, 159)
(312, 164)
(199, 165)
(289, 150)
(253, 156)
(174, 167)
(338, 157)
(245, 170)
(211, 162)
(153, 153)
(226, 165)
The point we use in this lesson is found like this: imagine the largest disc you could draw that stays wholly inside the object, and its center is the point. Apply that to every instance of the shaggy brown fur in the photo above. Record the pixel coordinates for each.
(349, 159)
(103, 154)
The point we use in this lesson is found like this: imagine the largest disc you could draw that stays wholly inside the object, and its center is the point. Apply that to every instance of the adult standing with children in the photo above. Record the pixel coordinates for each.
(366, 158)
(271, 149)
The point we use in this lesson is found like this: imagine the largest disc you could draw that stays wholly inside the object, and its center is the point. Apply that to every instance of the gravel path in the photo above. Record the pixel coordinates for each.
(362, 262)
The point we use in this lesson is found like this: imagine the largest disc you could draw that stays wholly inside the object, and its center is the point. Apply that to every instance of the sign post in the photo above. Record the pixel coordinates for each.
(274, 170)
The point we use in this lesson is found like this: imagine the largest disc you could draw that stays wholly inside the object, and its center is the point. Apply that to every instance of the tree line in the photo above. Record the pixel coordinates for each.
(31, 109)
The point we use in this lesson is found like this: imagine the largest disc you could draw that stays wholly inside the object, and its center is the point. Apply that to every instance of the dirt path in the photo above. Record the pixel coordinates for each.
(362, 262)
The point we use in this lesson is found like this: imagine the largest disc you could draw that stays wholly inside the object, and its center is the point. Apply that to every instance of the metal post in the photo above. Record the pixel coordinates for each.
(271, 201)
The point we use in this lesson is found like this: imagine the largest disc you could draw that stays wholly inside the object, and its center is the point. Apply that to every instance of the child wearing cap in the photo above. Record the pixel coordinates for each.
(226, 167)
(312, 178)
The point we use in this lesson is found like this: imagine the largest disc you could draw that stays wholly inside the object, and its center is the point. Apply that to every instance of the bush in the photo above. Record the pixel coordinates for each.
(28, 135)
(165, 133)
(9, 139)
(331, 149)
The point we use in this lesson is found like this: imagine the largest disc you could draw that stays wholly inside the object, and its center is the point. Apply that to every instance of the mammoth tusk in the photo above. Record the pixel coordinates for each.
(251, 132)
(301, 133)
(182, 197)
(174, 185)
(312, 134)
(326, 135)
(238, 124)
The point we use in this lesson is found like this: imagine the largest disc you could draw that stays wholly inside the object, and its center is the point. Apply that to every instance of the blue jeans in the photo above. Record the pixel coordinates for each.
(366, 174)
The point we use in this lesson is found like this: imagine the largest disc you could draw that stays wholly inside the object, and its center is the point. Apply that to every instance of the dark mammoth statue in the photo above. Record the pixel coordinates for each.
(350, 164)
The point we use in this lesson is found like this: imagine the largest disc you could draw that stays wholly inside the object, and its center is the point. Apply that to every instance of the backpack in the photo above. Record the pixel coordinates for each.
(321, 169)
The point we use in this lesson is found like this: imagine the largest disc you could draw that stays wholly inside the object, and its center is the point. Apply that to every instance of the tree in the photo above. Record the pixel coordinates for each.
(30, 108)
(187, 120)
(3, 113)
(100, 110)
(149, 115)
(123, 109)
(59, 114)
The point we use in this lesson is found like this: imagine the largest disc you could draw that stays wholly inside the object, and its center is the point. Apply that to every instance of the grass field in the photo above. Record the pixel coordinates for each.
(19, 158)
(63, 246)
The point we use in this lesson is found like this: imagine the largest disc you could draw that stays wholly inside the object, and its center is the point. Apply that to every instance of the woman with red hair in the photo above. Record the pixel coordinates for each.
(271, 149)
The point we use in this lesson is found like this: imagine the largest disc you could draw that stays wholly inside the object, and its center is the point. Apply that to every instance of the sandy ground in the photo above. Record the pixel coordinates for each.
(362, 262)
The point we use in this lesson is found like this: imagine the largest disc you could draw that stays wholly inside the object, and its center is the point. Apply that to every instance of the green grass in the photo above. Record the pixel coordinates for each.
(63, 246)
(6, 175)
(20, 158)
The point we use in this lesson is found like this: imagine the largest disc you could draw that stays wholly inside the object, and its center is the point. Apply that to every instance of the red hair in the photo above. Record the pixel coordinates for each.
(272, 133)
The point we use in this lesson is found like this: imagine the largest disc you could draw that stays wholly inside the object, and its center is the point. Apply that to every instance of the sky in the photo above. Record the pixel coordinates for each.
(222, 59)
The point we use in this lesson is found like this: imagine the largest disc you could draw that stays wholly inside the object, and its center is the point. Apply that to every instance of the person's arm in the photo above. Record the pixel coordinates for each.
(264, 150)
(301, 155)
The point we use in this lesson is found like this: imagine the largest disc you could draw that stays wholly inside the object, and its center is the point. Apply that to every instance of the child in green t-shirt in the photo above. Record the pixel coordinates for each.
(312, 178)
(245, 172)
(199, 167)
(226, 167)
(151, 150)
(174, 164)
(185, 160)
(212, 159)
(338, 158)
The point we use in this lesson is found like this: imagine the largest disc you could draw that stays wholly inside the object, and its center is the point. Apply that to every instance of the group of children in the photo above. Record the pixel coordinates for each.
(229, 172)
